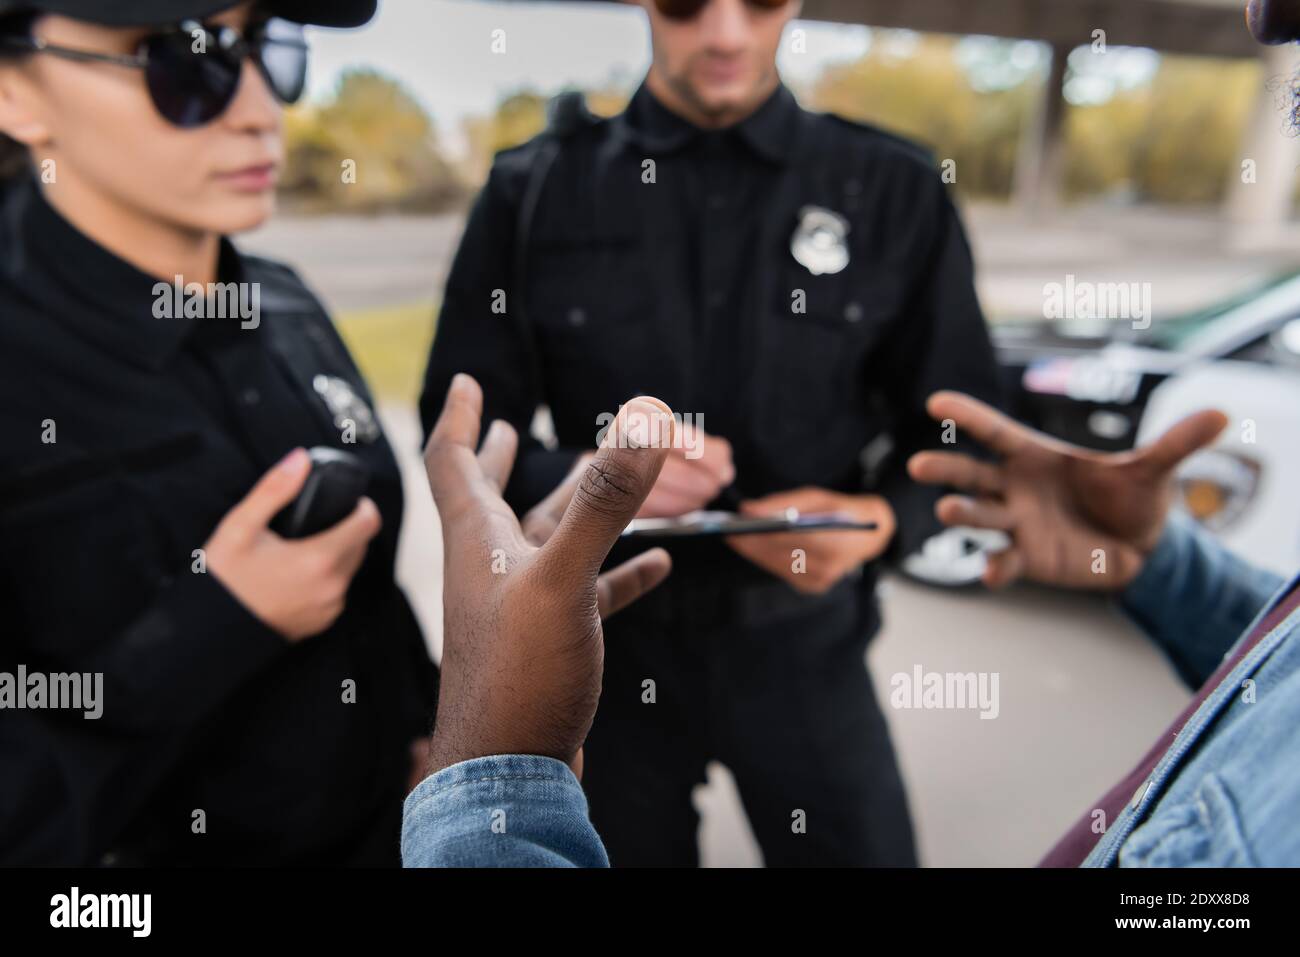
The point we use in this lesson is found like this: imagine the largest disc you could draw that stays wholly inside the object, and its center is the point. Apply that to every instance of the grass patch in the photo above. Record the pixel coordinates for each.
(391, 347)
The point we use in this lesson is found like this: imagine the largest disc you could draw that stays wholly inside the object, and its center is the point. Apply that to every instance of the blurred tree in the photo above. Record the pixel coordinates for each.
(1101, 144)
(1173, 138)
(1170, 137)
(1199, 112)
(929, 95)
(372, 147)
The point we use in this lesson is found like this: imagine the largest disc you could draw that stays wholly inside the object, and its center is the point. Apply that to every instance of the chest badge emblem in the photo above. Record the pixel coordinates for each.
(820, 241)
(346, 407)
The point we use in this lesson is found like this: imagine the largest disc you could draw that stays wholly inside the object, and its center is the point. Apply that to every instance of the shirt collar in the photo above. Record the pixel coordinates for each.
(89, 290)
(771, 131)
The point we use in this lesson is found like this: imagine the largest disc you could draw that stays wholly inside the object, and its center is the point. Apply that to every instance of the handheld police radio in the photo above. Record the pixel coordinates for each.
(331, 492)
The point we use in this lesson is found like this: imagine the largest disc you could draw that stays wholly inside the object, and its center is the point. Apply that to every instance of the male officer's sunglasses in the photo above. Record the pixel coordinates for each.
(192, 70)
(688, 9)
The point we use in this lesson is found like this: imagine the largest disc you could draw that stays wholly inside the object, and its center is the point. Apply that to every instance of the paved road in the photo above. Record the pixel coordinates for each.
(1081, 697)
(357, 262)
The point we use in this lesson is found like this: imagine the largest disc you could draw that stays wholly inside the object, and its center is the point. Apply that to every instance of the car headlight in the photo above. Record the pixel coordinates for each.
(1215, 487)
(1112, 426)
(955, 556)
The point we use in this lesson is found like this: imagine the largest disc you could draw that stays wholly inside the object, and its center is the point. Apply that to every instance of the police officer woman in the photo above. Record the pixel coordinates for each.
(260, 694)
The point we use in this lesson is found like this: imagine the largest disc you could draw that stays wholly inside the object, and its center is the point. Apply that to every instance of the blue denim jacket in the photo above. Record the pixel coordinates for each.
(508, 810)
(1227, 792)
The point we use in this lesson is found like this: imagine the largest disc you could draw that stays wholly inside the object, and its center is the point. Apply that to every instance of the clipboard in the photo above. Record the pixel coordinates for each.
(716, 524)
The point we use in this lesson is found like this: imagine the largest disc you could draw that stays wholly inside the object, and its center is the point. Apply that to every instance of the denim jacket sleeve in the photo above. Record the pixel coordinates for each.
(1195, 598)
(510, 810)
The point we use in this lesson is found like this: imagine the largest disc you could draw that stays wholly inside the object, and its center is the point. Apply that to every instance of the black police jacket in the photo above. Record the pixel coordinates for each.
(127, 437)
(639, 254)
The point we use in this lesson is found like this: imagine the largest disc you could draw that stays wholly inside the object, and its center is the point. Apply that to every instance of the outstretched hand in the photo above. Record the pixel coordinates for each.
(1077, 518)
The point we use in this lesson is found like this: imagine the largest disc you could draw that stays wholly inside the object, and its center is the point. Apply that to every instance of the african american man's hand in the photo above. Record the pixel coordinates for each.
(1077, 518)
(523, 646)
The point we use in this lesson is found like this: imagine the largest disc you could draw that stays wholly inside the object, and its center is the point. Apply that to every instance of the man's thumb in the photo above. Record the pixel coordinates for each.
(615, 483)
(1188, 435)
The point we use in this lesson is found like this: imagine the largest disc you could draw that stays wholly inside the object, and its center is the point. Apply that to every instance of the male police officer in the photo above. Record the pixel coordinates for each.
(797, 284)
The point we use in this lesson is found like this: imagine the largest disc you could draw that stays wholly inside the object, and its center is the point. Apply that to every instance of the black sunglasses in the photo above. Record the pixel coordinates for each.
(192, 70)
(689, 9)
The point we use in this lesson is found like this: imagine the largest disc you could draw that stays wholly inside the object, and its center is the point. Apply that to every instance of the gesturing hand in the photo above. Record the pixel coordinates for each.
(618, 588)
(1060, 503)
(523, 646)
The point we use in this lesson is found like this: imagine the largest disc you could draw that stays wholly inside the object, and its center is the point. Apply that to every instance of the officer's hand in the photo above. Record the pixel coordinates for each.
(296, 587)
(698, 468)
(813, 562)
(523, 647)
(1077, 518)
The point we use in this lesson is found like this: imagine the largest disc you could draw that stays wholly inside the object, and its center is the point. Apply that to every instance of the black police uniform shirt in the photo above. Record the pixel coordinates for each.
(158, 428)
(654, 257)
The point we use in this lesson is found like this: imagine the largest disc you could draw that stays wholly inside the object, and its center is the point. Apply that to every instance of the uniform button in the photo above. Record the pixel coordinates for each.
(251, 397)
(577, 317)
(1140, 794)
(853, 312)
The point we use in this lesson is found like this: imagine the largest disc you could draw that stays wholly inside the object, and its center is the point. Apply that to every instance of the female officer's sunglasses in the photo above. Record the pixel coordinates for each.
(192, 70)
(687, 9)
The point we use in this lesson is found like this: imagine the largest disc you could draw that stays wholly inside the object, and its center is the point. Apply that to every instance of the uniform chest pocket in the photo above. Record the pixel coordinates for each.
(79, 557)
(855, 307)
(821, 332)
(590, 302)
